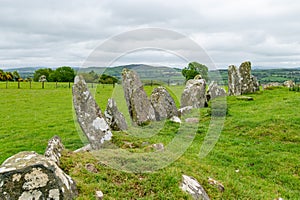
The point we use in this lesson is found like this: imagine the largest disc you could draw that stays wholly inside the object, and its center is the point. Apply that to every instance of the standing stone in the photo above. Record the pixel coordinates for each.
(114, 117)
(246, 81)
(194, 94)
(193, 187)
(163, 104)
(139, 106)
(240, 81)
(28, 175)
(215, 91)
(234, 82)
(54, 149)
(89, 115)
(255, 84)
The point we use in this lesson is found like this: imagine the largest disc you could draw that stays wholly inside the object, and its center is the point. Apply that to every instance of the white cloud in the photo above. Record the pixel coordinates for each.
(54, 33)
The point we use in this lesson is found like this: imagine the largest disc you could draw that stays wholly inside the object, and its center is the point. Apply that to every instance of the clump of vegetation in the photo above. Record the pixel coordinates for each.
(107, 79)
(61, 74)
(194, 69)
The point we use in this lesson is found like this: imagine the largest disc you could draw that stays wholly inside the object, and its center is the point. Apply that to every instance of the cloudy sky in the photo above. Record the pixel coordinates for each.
(111, 32)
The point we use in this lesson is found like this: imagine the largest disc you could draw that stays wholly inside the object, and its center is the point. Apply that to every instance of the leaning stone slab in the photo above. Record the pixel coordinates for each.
(114, 117)
(193, 187)
(194, 94)
(185, 110)
(139, 106)
(215, 91)
(28, 175)
(54, 149)
(163, 104)
(89, 115)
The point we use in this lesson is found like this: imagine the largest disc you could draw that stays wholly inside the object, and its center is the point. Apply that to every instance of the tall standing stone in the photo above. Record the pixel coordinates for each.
(234, 82)
(139, 106)
(245, 77)
(194, 94)
(163, 104)
(240, 81)
(89, 115)
(114, 117)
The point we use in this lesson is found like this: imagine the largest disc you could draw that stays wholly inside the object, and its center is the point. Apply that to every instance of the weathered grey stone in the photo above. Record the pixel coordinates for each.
(89, 115)
(28, 175)
(215, 91)
(289, 84)
(270, 85)
(240, 81)
(158, 146)
(175, 119)
(194, 94)
(192, 120)
(84, 149)
(246, 82)
(163, 104)
(234, 81)
(91, 168)
(255, 83)
(114, 117)
(139, 106)
(99, 195)
(193, 187)
(54, 149)
(185, 110)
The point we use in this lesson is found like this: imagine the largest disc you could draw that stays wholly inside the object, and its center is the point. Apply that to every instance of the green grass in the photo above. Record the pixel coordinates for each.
(260, 138)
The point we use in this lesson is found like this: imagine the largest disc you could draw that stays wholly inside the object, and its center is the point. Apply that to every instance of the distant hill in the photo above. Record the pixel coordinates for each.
(146, 72)
(174, 76)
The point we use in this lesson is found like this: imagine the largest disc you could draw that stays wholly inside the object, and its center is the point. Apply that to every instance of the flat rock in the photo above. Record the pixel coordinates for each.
(244, 98)
(89, 115)
(28, 175)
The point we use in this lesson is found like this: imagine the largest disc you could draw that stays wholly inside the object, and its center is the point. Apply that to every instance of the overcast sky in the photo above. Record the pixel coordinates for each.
(54, 33)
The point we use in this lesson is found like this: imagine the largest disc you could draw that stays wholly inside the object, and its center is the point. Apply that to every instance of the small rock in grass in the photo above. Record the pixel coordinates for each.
(219, 185)
(193, 120)
(245, 98)
(91, 168)
(158, 147)
(193, 187)
(99, 195)
(175, 119)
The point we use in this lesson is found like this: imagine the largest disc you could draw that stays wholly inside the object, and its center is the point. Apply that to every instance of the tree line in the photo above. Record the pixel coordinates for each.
(67, 74)
(9, 76)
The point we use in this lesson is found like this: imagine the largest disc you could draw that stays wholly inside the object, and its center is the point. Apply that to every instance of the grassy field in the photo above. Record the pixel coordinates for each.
(256, 156)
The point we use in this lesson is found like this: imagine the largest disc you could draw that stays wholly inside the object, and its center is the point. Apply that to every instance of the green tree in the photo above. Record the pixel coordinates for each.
(16, 75)
(194, 69)
(107, 79)
(62, 74)
(44, 71)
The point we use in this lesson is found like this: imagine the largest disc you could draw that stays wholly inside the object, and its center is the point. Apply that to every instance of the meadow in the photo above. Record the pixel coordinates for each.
(256, 156)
